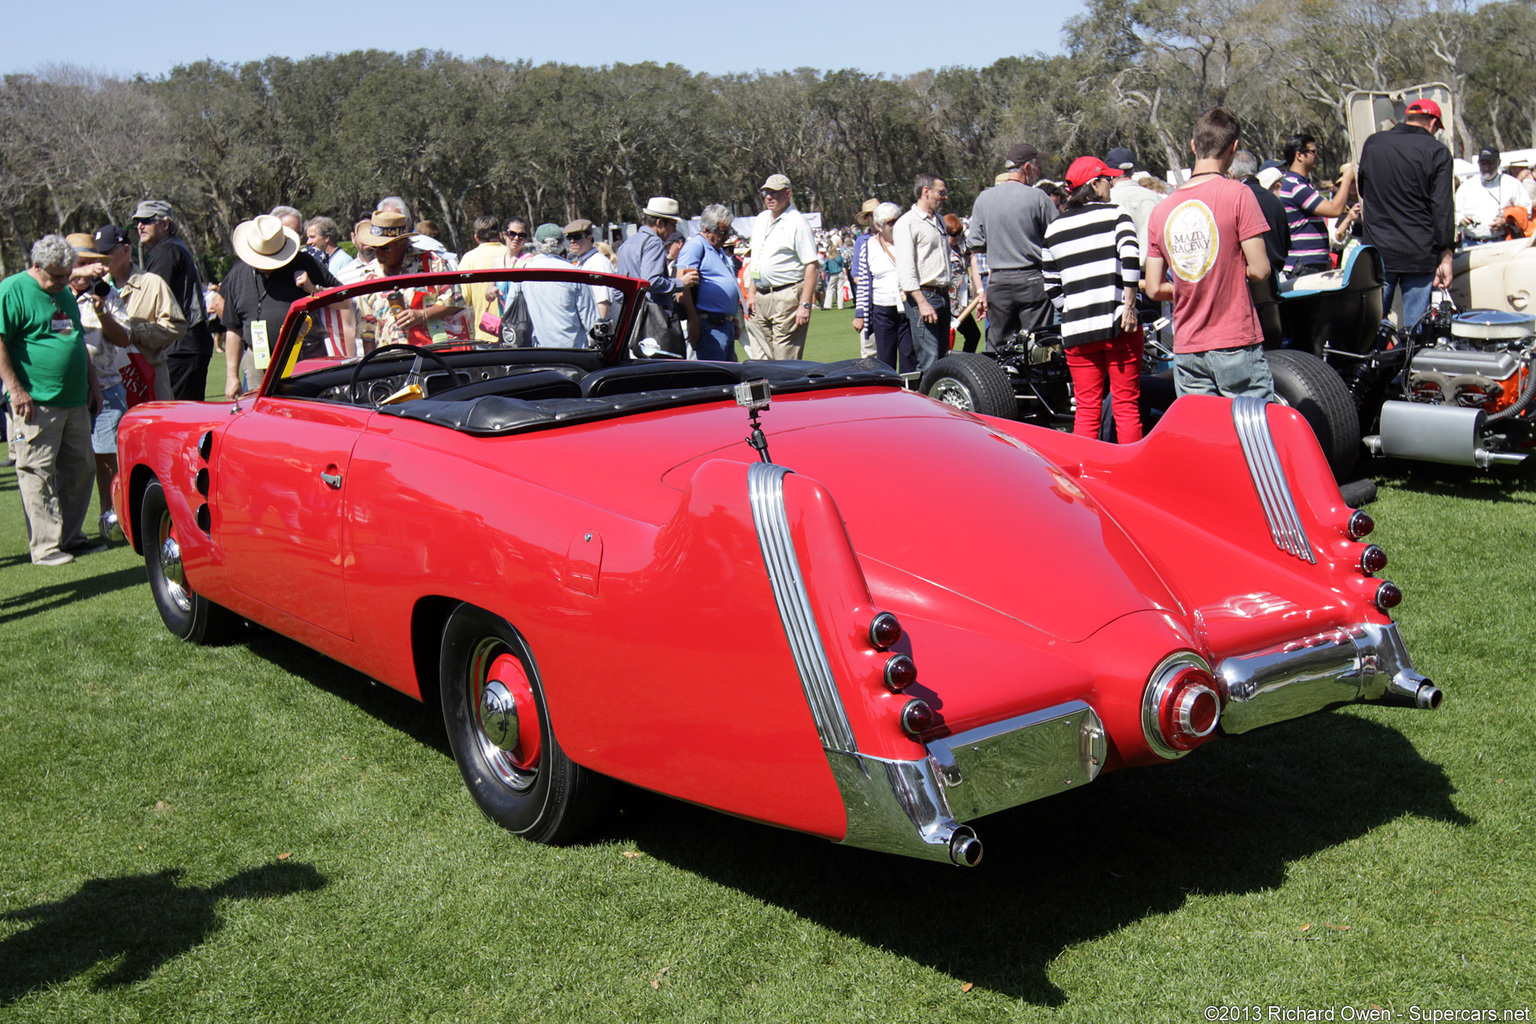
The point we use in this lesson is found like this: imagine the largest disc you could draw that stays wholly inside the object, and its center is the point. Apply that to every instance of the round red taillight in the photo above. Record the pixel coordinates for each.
(1181, 706)
(1360, 525)
(1196, 711)
(900, 672)
(884, 630)
(1388, 596)
(1372, 560)
(916, 718)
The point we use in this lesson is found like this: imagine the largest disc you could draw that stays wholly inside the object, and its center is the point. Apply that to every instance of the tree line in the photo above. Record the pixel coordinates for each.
(459, 138)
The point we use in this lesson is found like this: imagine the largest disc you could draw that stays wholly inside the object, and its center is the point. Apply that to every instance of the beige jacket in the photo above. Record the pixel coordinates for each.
(155, 319)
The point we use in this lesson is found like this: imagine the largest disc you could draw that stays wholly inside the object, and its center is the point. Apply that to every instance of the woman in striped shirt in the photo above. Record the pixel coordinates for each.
(1091, 266)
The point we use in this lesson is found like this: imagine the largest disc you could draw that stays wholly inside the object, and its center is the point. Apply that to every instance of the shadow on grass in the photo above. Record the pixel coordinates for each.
(142, 921)
(46, 599)
(1496, 484)
(1081, 865)
(405, 714)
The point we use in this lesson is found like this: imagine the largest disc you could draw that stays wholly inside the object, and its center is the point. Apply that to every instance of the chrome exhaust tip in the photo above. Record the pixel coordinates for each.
(1410, 689)
(965, 848)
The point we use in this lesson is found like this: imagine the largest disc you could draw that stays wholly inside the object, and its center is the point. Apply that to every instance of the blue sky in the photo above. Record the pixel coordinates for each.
(896, 37)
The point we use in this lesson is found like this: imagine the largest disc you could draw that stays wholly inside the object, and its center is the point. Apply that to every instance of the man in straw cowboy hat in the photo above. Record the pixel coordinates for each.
(644, 254)
(273, 274)
(416, 315)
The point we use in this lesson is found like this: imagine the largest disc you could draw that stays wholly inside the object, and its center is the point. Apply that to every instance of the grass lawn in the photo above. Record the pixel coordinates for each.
(252, 833)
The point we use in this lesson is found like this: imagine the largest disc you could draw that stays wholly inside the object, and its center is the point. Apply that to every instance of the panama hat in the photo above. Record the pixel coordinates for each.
(264, 242)
(661, 206)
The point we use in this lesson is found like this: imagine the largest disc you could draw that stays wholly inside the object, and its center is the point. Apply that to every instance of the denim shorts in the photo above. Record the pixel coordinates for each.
(114, 402)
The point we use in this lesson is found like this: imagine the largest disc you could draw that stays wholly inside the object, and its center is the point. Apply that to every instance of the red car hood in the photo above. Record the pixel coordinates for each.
(991, 521)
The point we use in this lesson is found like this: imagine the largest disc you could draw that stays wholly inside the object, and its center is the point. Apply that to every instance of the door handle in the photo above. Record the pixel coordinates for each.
(332, 480)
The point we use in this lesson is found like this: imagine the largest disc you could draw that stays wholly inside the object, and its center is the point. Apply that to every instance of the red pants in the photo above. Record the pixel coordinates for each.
(1119, 363)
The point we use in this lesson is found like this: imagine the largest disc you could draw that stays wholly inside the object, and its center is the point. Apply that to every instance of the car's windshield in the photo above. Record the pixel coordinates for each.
(554, 307)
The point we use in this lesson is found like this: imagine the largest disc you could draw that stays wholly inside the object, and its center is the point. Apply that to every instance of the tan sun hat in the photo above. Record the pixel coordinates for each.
(385, 227)
(85, 247)
(264, 242)
(867, 213)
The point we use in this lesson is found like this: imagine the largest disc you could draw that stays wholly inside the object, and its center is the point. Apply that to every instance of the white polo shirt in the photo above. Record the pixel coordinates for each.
(781, 248)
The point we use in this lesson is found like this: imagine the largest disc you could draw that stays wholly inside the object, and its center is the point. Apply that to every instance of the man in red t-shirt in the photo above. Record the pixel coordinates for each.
(1210, 233)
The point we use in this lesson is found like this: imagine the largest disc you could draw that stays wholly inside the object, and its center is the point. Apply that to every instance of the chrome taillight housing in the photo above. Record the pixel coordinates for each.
(1388, 596)
(916, 718)
(1181, 705)
(900, 672)
(1360, 525)
(1372, 560)
(884, 631)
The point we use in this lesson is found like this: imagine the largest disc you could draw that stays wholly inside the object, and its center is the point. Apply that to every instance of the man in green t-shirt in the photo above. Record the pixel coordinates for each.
(53, 396)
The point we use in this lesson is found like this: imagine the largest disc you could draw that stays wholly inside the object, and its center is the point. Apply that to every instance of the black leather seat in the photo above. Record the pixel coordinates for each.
(638, 378)
(529, 385)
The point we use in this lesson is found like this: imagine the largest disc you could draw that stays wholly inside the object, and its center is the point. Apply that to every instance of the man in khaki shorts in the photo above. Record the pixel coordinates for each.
(782, 278)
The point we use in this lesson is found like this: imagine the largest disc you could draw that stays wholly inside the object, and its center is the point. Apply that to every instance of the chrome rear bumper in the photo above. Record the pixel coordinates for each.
(1362, 662)
(915, 807)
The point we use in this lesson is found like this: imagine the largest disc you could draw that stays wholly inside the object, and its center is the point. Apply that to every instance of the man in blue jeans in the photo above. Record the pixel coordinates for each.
(1408, 207)
(922, 270)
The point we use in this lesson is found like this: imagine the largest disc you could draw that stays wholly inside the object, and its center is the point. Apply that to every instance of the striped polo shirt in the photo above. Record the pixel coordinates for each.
(1309, 233)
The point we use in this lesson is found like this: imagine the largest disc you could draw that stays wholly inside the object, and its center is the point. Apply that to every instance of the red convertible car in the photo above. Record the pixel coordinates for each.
(794, 592)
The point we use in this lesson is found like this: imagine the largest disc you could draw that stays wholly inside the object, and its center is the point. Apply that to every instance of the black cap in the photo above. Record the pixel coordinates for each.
(1487, 154)
(109, 237)
(1020, 154)
(1120, 158)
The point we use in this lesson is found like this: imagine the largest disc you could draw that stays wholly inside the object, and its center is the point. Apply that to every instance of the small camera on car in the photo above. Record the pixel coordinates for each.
(753, 394)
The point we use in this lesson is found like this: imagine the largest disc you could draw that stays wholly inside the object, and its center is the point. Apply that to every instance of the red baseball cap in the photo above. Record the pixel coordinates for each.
(1085, 168)
(1429, 107)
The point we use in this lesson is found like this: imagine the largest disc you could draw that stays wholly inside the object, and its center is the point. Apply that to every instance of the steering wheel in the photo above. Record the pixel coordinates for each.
(415, 370)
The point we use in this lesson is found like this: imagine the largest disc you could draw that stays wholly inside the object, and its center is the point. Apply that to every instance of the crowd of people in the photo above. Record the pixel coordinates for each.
(85, 332)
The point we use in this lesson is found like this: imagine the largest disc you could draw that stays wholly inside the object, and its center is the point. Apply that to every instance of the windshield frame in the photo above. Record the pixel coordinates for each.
(285, 357)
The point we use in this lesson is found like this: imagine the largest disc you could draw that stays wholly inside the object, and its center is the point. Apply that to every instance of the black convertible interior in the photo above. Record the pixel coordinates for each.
(491, 390)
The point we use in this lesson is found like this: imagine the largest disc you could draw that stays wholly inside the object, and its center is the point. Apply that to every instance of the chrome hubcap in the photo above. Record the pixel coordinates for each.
(170, 567)
(498, 715)
(497, 722)
(952, 392)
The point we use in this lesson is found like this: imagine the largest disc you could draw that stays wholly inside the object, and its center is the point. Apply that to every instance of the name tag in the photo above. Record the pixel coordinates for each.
(261, 346)
(61, 325)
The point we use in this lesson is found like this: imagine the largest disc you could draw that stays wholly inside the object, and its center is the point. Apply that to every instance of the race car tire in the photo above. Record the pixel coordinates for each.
(1358, 493)
(1314, 389)
(975, 383)
(186, 613)
(513, 765)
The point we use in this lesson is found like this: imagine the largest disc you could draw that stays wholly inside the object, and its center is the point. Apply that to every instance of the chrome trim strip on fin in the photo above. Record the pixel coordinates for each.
(765, 489)
(1258, 444)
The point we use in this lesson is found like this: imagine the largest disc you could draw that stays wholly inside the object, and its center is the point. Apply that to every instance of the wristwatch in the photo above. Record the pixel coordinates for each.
(806, 305)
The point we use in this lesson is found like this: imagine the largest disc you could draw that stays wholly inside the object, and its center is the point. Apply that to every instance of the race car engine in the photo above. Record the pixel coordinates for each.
(1484, 362)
